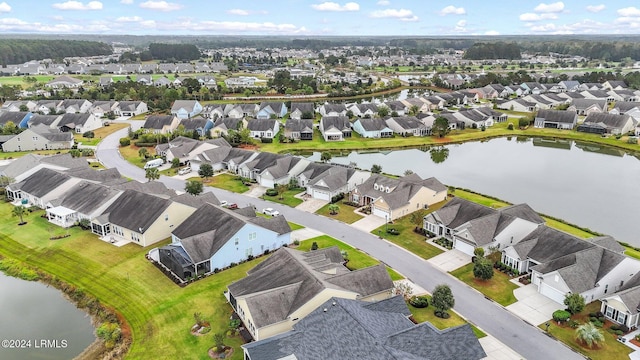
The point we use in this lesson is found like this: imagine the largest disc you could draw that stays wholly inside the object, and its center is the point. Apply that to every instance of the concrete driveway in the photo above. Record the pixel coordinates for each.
(368, 223)
(311, 205)
(256, 191)
(496, 350)
(450, 260)
(532, 306)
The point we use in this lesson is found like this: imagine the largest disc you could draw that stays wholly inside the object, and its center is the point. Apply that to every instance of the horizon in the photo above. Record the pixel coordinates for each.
(304, 18)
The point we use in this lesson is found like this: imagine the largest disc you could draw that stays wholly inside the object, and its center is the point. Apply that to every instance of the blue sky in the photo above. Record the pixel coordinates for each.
(317, 17)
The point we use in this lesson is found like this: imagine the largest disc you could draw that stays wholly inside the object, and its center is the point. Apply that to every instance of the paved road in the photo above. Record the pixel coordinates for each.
(525, 339)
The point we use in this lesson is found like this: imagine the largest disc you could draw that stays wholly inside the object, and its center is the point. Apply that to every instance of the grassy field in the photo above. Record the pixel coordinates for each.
(409, 239)
(225, 181)
(498, 288)
(611, 349)
(100, 134)
(288, 198)
(345, 214)
(357, 259)
(17, 154)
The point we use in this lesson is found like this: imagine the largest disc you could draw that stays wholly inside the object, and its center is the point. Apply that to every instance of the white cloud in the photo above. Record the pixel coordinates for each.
(629, 12)
(401, 14)
(236, 26)
(549, 8)
(491, 33)
(127, 2)
(4, 7)
(537, 17)
(77, 5)
(595, 8)
(452, 10)
(238, 12)
(129, 19)
(160, 5)
(332, 6)
(383, 3)
(461, 26)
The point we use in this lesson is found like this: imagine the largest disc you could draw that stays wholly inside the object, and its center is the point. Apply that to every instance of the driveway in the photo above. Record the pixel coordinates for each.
(450, 260)
(256, 191)
(368, 223)
(311, 205)
(496, 350)
(532, 306)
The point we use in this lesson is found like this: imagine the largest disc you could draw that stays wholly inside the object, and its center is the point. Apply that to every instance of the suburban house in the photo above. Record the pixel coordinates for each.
(517, 105)
(335, 128)
(268, 110)
(368, 110)
(290, 284)
(299, 129)
(85, 200)
(39, 137)
(243, 111)
(200, 125)
(629, 108)
(493, 91)
(64, 81)
(393, 198)
(372, 128)
(79, 123)
(185, 109)
(269, 169)
(587, 106)
(214, 111)
(367, 330)
(18, 118)
(324, 181)
(556, 119)
(184, 148)
(598, 95)
(140, 218)
(599, 123)
(300, 110)
(74, 106)
(263, 128)
(131, 108)
(625, 95)
(24, 166)
(469, 225)
(614, 85)
(398, 107)
(222, 125)
(221, 158)
(102, 109)
(40, 187)
(333, 110)
(161, 124)
(407, 126)
(214, 237)
(623, 306)
(533, 88)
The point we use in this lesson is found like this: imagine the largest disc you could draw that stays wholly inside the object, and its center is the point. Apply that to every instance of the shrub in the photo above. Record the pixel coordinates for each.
(561, 315)
(598, 324)
(619, 332)
(601, 319)
(624, 328)
(271, 192)
(296, 242)
(266, 140)
(337, 198)
(125, 141)
(441, 314)
(419, 301)
(510, 126)
(478, 252)
(632, 140)
(573, 324)
(614, 327)
(523, 122)
(314, 246)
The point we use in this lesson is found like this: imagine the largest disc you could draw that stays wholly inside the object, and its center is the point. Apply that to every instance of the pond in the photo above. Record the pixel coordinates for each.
(37, 322)
(590, 185)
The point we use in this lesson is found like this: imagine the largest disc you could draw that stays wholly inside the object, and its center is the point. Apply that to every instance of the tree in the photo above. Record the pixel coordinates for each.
(193, 187)
(143, 153)
(175, 163)
(442, 299)
(408, 172)
(414, 110)
(483, 268)
(325, 156)
(152, 174)
(479, 252)
(84, 223)
(333, 209)
(417, 218)
(589, 334)
(89, 135)
(376, 169)
(219, 342)
(441, 126)
(281, 189)
(206, 171)
(575, 303)
(19, 211)
(383, 111)
(314, 246)
(403, 288)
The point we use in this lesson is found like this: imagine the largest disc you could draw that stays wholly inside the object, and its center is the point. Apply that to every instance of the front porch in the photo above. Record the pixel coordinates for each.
(61, 216)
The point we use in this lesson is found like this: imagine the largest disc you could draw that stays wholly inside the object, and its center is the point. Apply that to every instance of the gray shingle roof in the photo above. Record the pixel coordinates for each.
(401, 189)
(261, 124)
(559, 116)
(14, 116)
(351, 329)
(157, 121)
(136, 210)
(302, 107)
(87, 197)
(194, 124)
(43, 181)
(299, 125)
(375, 124)
(73, 120)
(609, 121)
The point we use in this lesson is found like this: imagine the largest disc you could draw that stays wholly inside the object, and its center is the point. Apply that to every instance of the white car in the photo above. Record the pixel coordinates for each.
(184, 171)
(224, 203)
(270, 211)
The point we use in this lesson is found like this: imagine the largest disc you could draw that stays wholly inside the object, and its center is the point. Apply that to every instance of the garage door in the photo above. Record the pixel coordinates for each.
(464, 247)
(551, 293)
(268, 183)
(380, 212)
(321, 195)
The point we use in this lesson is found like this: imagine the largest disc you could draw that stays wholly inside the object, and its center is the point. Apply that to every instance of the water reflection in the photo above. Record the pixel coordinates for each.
(439, 154)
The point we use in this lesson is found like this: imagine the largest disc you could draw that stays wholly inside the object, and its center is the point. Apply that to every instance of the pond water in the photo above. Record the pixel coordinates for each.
(37, 322)
(589, 185)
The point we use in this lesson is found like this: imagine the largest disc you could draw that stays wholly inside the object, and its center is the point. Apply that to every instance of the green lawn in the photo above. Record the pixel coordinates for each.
(345, 214)
(357, 259)
(426, 314)
(611, 349)
(158, 312)
(99, 134)
(287, 198)
(295, 226)
(407, 238)
(498, 288)
(17, 154)
(225, 181)
(130, 153)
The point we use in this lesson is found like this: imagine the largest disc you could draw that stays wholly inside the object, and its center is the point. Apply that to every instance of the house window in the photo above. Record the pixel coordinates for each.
(35, 138)
(253, 236)
(248, 252)
(606, 288)
(609, 312)
(237, 241)
(166, 217)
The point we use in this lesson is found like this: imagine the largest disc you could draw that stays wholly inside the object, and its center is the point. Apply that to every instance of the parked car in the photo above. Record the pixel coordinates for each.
(224, 203)
(270, 211)
(232, 206)
(184, 170)
(153, 163)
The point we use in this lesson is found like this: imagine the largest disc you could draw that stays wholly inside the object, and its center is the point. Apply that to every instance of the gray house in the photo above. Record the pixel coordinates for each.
(599, 123)
(335, 128)
(299, 129)
(39, 137)
(302, 110)
(353, 329)
(556, 119)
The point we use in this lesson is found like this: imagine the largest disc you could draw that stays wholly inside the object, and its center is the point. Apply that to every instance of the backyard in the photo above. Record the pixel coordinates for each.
(288, 197)
(345, 213)
(99, 134)
(225, 181)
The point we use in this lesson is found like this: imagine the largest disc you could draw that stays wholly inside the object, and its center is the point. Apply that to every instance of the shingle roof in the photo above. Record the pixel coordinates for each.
(14, 116)
(302, 107)
(401, 189)
(87, 197)
(42, 182)
(299, 125)
(136, 211)
(609, 121)
(194, 124)
(559, 116)
(73, 120)
(261, 124)
(351, 329)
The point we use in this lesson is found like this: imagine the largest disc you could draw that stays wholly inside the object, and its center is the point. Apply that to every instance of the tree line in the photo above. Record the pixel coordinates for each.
(495, 50)
(19, 51)
(177, 52)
